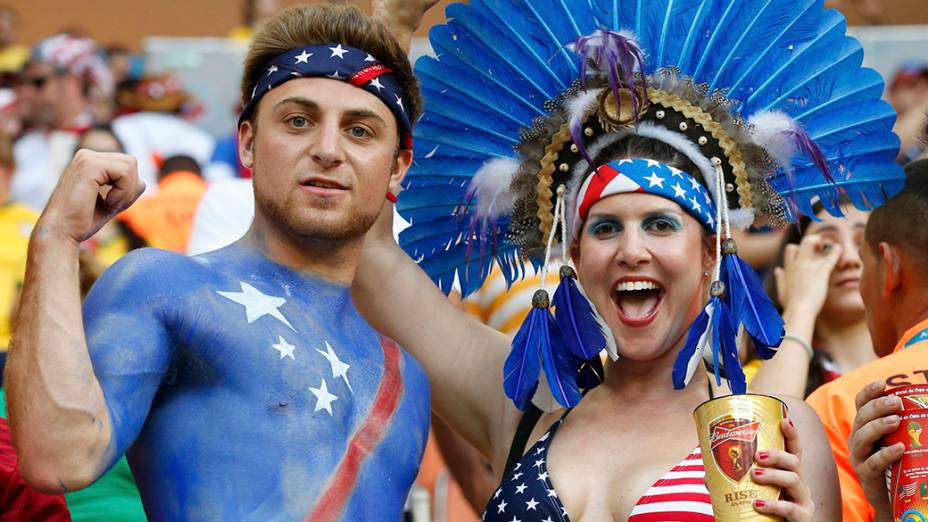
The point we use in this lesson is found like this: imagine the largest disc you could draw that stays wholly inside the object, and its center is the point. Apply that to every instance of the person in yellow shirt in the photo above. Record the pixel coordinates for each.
(12, 56)
(16, 223)
(893, 286)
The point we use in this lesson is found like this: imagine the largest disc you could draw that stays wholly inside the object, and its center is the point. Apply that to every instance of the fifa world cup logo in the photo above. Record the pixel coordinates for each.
(734, 453)
(915, 431)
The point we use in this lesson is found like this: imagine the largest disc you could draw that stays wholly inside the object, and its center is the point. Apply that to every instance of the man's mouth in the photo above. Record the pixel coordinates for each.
(638, 301)
(323, 183)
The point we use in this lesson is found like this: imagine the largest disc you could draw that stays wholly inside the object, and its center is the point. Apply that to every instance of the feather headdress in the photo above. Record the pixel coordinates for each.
(767, 98)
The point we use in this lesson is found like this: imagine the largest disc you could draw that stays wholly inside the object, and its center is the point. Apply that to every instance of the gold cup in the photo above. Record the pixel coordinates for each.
(731, 430)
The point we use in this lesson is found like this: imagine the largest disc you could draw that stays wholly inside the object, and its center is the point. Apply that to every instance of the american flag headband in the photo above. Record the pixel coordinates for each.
(338, 62)
(644, 176)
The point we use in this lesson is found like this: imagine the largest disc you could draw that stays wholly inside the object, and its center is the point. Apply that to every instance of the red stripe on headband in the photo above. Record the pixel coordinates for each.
(598, 183)
(369, 73)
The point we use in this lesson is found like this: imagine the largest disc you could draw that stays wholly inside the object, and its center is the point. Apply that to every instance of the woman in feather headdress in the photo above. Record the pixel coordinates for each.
(620, 152)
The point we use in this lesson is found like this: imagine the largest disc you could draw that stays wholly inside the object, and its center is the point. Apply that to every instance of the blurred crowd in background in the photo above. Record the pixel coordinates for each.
(71, 90)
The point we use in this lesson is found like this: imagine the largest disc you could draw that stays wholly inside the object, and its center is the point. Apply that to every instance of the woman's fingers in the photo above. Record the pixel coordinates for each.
(783, 508)
(781, 468)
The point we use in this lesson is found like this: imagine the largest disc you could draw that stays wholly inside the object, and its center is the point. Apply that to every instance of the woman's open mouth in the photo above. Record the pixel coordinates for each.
(638, 301)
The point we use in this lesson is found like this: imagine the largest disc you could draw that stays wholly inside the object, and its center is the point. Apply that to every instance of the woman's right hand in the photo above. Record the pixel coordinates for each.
(804, 277)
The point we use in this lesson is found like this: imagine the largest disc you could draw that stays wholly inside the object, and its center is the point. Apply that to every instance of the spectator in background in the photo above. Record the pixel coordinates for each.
(816, 279)
(123, 63)
(154, 124)
(55, 87)
(12, 55)
(16, 222)
(894, 287)
(254, 12)
(908, 94)
(165, 219)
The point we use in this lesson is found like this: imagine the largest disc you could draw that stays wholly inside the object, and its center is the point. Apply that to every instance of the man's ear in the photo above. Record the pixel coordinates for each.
(400, 166)
(890, 269)
(246, 144)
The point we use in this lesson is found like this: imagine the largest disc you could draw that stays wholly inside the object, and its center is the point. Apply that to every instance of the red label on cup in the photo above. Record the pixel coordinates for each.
(733, 443)
(908, 477)
(914, 396)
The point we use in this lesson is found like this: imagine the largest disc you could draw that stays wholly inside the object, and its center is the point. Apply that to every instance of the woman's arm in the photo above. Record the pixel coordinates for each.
(462, 357)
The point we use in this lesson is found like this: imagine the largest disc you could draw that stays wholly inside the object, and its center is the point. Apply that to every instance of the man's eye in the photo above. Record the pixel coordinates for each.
(359, 132)
(298, 122)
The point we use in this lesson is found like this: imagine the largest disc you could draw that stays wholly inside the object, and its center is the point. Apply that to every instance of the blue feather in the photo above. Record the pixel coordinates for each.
(750, 305)
(576, 320)
(522, 367)
(691, 354)
(560, 367)
(734, 374)
(677, 20)
(591, 374)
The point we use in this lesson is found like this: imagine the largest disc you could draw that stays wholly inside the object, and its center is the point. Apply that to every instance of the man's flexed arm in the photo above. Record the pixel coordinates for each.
(58, 414)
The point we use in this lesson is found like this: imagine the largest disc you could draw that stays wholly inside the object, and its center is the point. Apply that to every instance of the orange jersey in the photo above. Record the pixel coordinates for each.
(834, 403)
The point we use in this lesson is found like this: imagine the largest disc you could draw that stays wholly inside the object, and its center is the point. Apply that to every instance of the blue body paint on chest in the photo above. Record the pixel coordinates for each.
(240, 385)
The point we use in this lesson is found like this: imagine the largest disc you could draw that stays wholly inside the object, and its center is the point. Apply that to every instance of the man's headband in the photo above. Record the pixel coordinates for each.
(647, 177)
(338, 62)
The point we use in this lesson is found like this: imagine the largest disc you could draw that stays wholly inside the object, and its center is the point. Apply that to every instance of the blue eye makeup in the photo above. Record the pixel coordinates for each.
(602, 226)
(662, 223)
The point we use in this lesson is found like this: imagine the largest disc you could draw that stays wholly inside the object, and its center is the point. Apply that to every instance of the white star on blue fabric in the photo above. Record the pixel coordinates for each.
(324, 399)
(655, 180)
(694, 183)
(334, 76)
(338, 51)
(303, 57)
(520, 488)
(399, 101)
(286, 349)
(696, 206)
(370, 58)
(514, 519)
(652, 163)
(271, 70)
(678, 191)
(530, 504)
(376, 84)
(539, 463)
(339, 369)
(502, 506)
(543, 475)
(256, 304)
(516, 476)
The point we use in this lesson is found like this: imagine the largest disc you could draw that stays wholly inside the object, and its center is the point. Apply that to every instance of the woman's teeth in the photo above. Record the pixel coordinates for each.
(629, 286)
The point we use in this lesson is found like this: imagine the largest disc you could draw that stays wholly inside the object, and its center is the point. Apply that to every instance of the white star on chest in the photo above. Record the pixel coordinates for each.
(543, 475)
(539, 462)
(338, 51)
(324, 399)
(530, 504)
(339, 369)
(303, 57)
(547, 520)
(514, 519)
(520, 488)
(678, 191)
(516, 476)
(375, 83)
(256, 304)
(334, 76)
(655, 181)
(285, 348)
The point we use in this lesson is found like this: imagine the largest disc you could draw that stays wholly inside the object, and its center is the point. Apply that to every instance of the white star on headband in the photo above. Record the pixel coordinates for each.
(678, 191)
(271, 70)
(338, 51)
(696, 206)
(376, 84)
(370, 58)
(303, 57)
(399, 101)
(655, 180)
(694, 183)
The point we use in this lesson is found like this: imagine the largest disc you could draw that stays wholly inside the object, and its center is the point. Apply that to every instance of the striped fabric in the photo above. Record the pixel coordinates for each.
(679, 495)
(504, 309)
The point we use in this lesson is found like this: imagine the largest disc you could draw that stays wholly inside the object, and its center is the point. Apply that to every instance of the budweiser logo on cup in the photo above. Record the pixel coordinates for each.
(731, 431)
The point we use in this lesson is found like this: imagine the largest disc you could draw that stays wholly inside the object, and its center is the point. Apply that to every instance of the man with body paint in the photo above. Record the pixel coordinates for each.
(242, 383)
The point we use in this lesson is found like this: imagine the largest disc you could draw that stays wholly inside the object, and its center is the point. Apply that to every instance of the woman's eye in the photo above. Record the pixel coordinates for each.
(298, 122)
(359, 132)
(662, 226)
(604, 229)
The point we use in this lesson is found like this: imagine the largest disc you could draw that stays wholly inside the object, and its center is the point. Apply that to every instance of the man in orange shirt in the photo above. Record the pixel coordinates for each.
(894, 287)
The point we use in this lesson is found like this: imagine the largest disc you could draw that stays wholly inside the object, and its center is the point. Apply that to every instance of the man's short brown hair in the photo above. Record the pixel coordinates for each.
(901, 220)
(304, 25)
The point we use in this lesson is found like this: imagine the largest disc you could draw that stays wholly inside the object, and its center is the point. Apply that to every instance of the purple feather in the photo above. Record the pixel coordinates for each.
(616, 57)
(805, 145)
